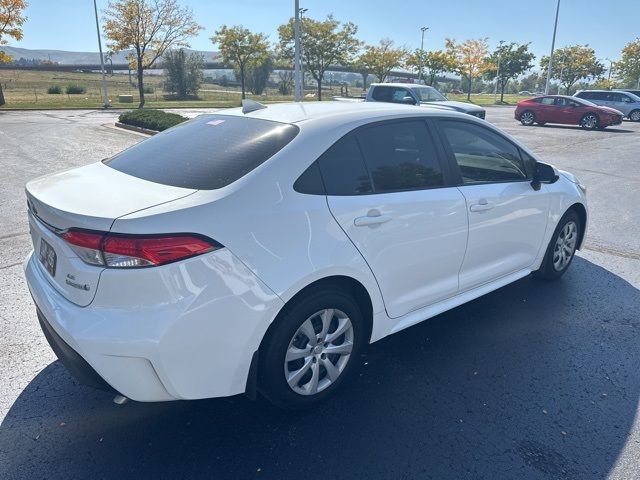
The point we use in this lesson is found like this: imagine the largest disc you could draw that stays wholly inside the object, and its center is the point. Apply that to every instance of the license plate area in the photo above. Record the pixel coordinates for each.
(48, 257)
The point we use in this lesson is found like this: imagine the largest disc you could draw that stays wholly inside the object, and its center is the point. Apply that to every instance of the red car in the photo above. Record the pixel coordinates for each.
(567, 110)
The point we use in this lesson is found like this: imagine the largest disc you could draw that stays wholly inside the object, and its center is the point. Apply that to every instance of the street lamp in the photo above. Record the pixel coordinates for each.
(495, 90)
(302, 12)
(553, 44)
(104, 77)
(610, 68)
(297, 70)
(423, 29)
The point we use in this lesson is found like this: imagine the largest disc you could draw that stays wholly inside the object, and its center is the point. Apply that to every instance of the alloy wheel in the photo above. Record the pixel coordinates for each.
(527, 118)
(635, 116)
(565, 246)
(319, 351)
(590, 122)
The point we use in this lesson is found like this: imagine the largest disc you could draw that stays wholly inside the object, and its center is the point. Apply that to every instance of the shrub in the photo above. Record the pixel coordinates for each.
(151, 119)
(54, 90)
(184, 73)
(148, 89)
(75, 90)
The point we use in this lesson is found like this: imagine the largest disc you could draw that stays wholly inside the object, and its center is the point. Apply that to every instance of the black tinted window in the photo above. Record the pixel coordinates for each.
(482, 155)
(390, 94)
(206, 153)
(529, 163)
(400, 156)
(343, 170)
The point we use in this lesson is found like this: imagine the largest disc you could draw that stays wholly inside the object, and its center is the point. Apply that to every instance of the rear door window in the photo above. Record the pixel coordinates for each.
(343, 170)
(206, 153)
(400, 156)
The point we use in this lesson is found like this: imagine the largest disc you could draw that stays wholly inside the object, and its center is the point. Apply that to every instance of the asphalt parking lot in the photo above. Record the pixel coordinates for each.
(533, 381)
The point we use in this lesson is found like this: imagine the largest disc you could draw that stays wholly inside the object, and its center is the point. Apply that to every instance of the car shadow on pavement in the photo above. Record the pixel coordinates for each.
(578, 127)
(535, 380)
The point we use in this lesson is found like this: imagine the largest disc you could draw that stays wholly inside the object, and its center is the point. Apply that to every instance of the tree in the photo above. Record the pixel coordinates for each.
(324, 43)
(380, 60)
(150, 28)
(11, 21)
(471, 58)
(241, 48)
(511, 60)
(258, 75)
(184, 72)
(628, 68)
(573, 63)
(435, 62)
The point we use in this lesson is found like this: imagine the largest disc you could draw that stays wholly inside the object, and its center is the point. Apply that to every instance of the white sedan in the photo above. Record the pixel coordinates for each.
(260, 249)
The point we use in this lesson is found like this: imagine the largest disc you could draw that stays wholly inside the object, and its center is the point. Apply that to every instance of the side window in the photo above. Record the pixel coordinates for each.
(482, 155)
(615, 97)
(625, 98)
(547, 101)
(342, 168)
(400, 156)
(399, 95)
(382, 94)
(599, 96)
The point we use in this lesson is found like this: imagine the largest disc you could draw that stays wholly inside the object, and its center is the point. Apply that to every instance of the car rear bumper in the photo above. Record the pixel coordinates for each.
(182, 331)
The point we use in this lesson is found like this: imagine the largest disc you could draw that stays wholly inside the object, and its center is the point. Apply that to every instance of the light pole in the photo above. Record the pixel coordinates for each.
(495, 90)
(423, 29)
(553, 45)
(104, 77)
(297, 69)
(302, 12)
(610, 68)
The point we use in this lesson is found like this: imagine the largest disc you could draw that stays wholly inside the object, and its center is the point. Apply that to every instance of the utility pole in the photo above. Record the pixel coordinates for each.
(104, 76)
(297, 69)
(495, 90)
(610, 68)
(553, 45)
(420, 77)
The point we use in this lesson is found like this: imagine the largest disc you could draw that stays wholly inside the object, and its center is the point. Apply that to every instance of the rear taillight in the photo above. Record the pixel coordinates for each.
(127, 251)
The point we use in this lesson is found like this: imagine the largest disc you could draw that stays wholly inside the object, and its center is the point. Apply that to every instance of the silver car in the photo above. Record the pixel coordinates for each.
(626, 102)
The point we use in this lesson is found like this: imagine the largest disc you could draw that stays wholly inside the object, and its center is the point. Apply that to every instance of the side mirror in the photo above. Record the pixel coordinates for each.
(408, 100)
(544, 174)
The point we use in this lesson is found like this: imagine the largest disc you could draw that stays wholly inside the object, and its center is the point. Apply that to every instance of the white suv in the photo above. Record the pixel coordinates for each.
(261, 250)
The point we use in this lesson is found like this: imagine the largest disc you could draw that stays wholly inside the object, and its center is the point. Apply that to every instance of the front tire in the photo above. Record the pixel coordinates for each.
(527, 118)
(312, 348)
(562, 247)
(590, 121)
(635, 116)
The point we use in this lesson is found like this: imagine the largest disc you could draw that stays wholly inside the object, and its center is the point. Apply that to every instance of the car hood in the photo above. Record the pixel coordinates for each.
(610, 110)
(456, 106)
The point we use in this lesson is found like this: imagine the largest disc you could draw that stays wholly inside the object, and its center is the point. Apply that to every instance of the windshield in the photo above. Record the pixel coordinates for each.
(208, 152)
(429, 94)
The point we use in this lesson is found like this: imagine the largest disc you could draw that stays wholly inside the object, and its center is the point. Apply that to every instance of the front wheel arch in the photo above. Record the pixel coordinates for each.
(581, 211)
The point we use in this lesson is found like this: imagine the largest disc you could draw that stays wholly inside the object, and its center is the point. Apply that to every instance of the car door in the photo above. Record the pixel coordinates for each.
(546, 110)
(569, 111)
(507, 217)
(388, 189)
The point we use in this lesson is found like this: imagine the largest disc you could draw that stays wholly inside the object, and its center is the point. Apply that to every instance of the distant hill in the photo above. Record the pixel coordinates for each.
(77, 58)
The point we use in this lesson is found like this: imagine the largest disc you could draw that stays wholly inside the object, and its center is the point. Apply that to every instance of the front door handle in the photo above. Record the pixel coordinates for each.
(373, 217)
(482, 206)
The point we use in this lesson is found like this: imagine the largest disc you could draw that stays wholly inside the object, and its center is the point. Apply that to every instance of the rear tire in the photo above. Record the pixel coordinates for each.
(634, 116)
(527, 118)
(590, 121)
(312, 349)
(562, 247)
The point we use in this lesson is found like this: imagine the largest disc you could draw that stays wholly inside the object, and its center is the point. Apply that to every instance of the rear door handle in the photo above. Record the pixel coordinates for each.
(482, 206)
(370, 220)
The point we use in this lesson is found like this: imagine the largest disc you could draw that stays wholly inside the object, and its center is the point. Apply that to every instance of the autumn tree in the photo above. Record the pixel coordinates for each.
(149, 28)
(628, 67)
(572, 64)
(11, 21)
(241, 48)
(435, 62)
(325, 43)
(183, 71)
(381, 59)
(471, 58)
(510, 60)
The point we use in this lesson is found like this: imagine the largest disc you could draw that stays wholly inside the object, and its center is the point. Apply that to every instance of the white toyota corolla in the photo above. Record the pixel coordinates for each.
(260, 249)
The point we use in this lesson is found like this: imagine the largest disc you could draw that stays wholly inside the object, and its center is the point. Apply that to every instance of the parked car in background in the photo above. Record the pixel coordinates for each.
(625, 102)
(566, 110)
(525, 92)
(636, 92)
(260, 249)
(414, 94)
(455, 91)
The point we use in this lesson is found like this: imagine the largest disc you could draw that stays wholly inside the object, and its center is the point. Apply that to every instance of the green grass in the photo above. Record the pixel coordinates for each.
(487, 98)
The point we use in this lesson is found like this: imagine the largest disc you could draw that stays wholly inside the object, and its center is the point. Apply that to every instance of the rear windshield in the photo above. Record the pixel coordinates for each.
(208, 152)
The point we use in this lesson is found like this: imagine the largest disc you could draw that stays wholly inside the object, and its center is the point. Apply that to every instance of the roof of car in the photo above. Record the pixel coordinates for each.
(399, 84)
(294, 112)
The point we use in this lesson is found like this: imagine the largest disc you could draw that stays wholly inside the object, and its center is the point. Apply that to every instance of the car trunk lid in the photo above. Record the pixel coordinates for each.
(87, 198)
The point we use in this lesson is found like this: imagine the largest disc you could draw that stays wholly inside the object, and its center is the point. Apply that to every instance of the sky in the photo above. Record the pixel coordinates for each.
(70, 24)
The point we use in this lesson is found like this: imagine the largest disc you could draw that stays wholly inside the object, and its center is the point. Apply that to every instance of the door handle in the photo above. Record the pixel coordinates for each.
(482, 206)
(372, 218)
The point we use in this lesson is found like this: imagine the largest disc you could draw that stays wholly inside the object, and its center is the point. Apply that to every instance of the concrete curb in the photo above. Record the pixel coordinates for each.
(133, 128)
